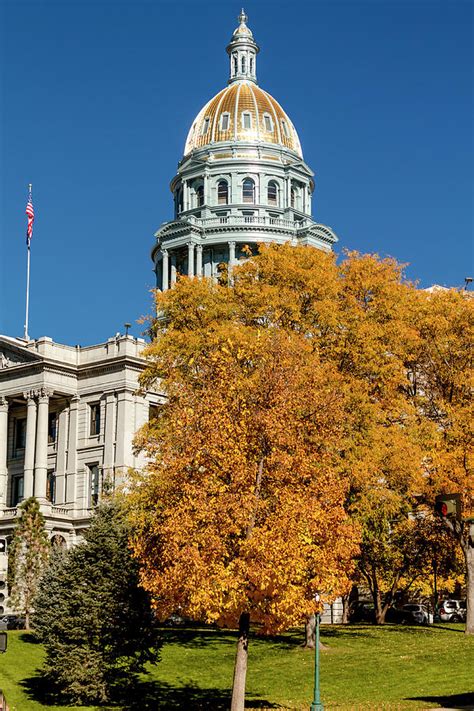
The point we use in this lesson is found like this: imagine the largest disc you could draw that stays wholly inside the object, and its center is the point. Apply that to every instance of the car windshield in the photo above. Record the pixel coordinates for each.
(412, 608)
(449, 603)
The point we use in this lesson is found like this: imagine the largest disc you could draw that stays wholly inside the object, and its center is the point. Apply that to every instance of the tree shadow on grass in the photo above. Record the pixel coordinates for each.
(453, 701)
(189, 637)
(154, 696)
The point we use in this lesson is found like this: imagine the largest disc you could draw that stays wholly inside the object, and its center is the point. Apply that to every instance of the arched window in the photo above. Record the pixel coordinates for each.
(243, 64)
(200, 195)
(248, 190)
(272, 193)
(293, 197)
(222, 192)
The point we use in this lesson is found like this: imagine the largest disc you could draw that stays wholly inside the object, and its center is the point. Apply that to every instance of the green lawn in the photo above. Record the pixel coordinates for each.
(363, 668)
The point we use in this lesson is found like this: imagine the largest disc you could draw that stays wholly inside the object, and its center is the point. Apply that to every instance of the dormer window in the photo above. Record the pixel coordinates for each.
(225, 120)
(205, 126)
(246, 120)
(284, 126)
(268, 123)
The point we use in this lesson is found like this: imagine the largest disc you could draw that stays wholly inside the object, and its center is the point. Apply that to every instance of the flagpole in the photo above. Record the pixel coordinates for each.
(26, 337)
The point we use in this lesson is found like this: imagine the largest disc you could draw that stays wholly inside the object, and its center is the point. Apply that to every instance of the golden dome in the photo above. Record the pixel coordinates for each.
(242, 112)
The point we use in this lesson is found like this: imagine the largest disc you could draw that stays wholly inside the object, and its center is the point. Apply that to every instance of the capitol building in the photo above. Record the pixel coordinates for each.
(68, 414)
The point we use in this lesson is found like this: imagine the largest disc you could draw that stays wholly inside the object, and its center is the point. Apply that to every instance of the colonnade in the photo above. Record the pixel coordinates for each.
(195, 263)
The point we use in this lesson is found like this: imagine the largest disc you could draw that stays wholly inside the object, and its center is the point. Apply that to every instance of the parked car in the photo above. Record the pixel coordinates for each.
(414, 613)
(452, 611)
(363, 612)
(13, 622)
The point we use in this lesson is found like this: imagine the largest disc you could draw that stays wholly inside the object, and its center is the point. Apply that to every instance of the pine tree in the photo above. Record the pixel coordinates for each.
(92, 616)
(27, 558)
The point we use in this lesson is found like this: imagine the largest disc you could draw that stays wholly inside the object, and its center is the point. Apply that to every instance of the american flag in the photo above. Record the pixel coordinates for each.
(31, 218)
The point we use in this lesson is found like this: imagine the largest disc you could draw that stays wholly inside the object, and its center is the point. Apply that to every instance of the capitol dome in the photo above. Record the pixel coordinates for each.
(242, 111)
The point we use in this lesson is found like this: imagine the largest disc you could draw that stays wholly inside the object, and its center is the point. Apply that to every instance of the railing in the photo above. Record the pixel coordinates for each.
(60, 510)
(10, 513)
(259, 220)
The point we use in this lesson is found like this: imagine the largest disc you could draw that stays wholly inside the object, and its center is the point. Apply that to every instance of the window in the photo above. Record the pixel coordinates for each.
(17, 490)
(292, 197)
(248, 190)
(272, 193)
(94, 410)
(200, 195)
(94, 484)
(51, 486)
(284, 126)
(222, 192)
(243, 64)
(20, 433)
(268, 123)
(234, 59)
(205, 126)
(225, 122)
(251, 65)
(153, 412)
(246, 120)
(52, 427)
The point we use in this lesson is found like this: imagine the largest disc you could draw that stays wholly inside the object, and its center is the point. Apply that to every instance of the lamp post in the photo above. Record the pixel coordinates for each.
(317, 704)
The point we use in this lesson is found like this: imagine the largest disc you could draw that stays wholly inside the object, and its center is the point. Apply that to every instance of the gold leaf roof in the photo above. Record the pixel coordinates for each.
(268, 122)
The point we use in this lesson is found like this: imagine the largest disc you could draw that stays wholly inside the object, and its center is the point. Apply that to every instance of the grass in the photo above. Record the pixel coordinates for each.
(364, 668)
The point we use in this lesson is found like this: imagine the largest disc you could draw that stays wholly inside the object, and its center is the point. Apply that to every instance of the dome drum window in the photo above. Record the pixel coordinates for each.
(248, 191)
(272, 193)
(200, 195)
(222, 192)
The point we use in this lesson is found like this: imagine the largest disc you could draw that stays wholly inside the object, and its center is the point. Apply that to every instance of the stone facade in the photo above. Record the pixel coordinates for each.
(67, 420)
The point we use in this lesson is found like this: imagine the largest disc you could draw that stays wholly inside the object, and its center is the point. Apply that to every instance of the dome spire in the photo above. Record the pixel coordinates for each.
(242, 50)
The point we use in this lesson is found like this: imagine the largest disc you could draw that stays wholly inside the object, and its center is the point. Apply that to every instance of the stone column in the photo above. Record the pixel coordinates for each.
(165, 270)
(190, 259)
(173, 268)
(109, 436)
(185, 195)
(199, 260)
(61, 457)
(3, 450)
(29, 465)
(231, 255)
(41, 453)
(71, 471)
(125, 431)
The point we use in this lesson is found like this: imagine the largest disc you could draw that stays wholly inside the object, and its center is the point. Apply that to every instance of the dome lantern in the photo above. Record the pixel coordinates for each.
(242, 50)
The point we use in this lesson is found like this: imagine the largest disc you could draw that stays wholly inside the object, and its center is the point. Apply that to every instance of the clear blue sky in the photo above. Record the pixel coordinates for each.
(97, 98)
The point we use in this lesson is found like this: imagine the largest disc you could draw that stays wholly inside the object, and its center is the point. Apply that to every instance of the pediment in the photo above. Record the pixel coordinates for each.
(12, 354)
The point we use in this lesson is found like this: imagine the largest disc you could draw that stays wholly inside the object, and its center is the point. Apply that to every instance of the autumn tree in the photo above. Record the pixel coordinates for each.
(27, 557)
(440, 384)
(240, 515)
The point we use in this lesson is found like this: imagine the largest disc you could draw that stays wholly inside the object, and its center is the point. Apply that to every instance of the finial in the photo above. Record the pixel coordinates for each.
(242, 17)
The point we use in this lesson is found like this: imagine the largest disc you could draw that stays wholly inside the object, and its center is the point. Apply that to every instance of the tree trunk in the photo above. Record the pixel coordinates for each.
(240, 668)
(468, 550)
(345, 609)
(310, 632)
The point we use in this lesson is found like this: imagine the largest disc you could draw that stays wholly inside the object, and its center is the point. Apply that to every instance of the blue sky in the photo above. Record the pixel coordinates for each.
(97, 98)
